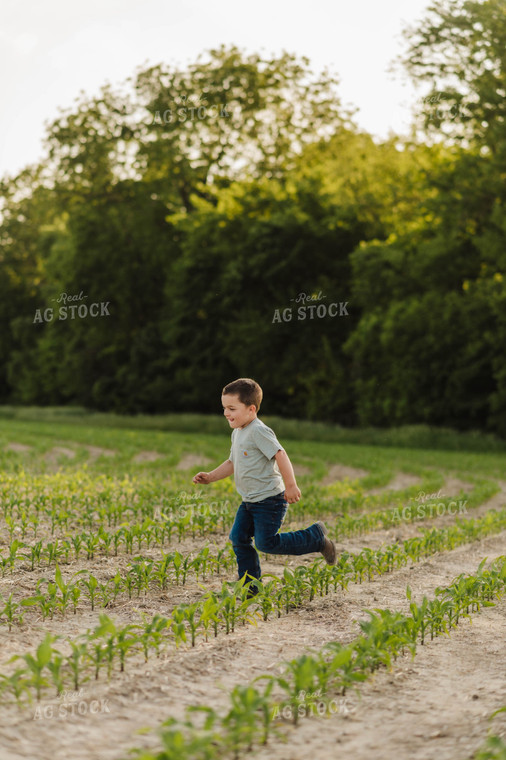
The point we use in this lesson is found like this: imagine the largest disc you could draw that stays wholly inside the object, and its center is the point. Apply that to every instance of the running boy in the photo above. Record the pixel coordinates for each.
(265, 479)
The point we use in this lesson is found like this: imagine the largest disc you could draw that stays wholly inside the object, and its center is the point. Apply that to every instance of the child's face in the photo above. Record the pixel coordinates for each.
(237, 413)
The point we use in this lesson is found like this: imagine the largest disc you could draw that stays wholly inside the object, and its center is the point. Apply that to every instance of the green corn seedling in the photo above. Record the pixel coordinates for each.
(125, 641)
(152, 631)
(190, 613)
(76, 660)
(55, 668)
(241, 722)
(10, 611)
(178, 626)
(19, 684)
(36, 664)
(91, 585)
(209, 615)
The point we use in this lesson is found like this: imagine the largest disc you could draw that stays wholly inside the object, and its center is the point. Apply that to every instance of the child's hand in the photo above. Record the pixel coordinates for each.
(292, 494)
(202, 477)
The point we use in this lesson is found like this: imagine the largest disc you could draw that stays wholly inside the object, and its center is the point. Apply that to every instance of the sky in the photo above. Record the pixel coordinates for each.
(51, 51)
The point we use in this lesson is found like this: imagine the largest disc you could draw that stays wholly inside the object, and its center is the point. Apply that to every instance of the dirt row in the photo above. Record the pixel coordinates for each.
(147, 694)
(22, 582)
(58, 455)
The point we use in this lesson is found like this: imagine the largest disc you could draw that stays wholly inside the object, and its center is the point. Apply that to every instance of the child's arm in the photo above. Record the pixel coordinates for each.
(292, 491)
(223, 471)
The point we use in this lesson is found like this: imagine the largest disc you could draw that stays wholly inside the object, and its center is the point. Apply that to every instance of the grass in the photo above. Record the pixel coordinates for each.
(410, 436)
(380, 462)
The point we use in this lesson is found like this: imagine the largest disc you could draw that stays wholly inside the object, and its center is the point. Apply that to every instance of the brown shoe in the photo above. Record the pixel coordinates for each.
(329, 550)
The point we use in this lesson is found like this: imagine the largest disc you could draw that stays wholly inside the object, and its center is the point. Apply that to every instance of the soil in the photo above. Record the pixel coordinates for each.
(192, 460)
(96, 451)
(301, 469)
(436, 705)
(400, 481)
(342, 471)
(20, 448)
(57, 455)
(146, 456)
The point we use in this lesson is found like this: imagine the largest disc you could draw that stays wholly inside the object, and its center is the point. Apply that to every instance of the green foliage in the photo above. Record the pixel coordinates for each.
(192, 229)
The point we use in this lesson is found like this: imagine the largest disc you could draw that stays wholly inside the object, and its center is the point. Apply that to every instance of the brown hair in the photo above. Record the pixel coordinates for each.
(248, 390)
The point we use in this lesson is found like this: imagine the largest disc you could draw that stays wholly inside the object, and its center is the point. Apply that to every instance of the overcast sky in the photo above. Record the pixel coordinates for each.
(51, 50)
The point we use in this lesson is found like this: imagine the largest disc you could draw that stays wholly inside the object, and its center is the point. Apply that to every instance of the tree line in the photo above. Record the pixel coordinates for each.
(230, 219)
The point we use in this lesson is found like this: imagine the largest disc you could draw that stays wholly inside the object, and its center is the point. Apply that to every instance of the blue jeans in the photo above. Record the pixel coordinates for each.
(262, 520)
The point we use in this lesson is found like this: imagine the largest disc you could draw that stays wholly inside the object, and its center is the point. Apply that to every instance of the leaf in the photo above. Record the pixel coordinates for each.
(44, 650)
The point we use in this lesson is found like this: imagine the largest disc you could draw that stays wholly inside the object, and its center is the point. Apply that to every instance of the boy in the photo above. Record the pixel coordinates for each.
(265, 479)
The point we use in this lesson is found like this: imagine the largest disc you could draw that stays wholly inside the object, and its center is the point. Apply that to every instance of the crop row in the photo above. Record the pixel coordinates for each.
(158, 532)
(304, 582)
(232, 606)
(62, 501)
(253, 714)
(59, 503)
(352, 524)
(140, 576)
(408, 510)
(130, 538)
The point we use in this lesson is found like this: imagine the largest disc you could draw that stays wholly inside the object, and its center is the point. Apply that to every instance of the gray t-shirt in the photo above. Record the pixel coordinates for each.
(256, 472)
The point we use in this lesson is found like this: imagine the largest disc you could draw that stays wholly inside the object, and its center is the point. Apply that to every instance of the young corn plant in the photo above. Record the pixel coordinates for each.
(4, 563)
(142, 572)
(54, 551)
(178, 563)
(105, 592)
(418, 613)
(10, 611)
(47, 602)
(180, 744)
(92, 542)
(190, 615)
(55, 668)
(128, 536)
(35, 522)
(36, 664)
(266, 596)
(14, 548)
(19, 683)
(106, 630)
(240, 724)
(162, 570)
(200, 562)
(185, 568)
(98, 655)
(106, 541)
(77, 542)
(152, 633)
(66, 589)
(118, 585)
(126, 641)
(117, 538)
(11, 525)
(76, 661)
(300, 682)
(210, 615)
(178, 625)
(222, 559)
(343, 666)
(129, 583)
(229, 608)
(34, 554)
(91, 585)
